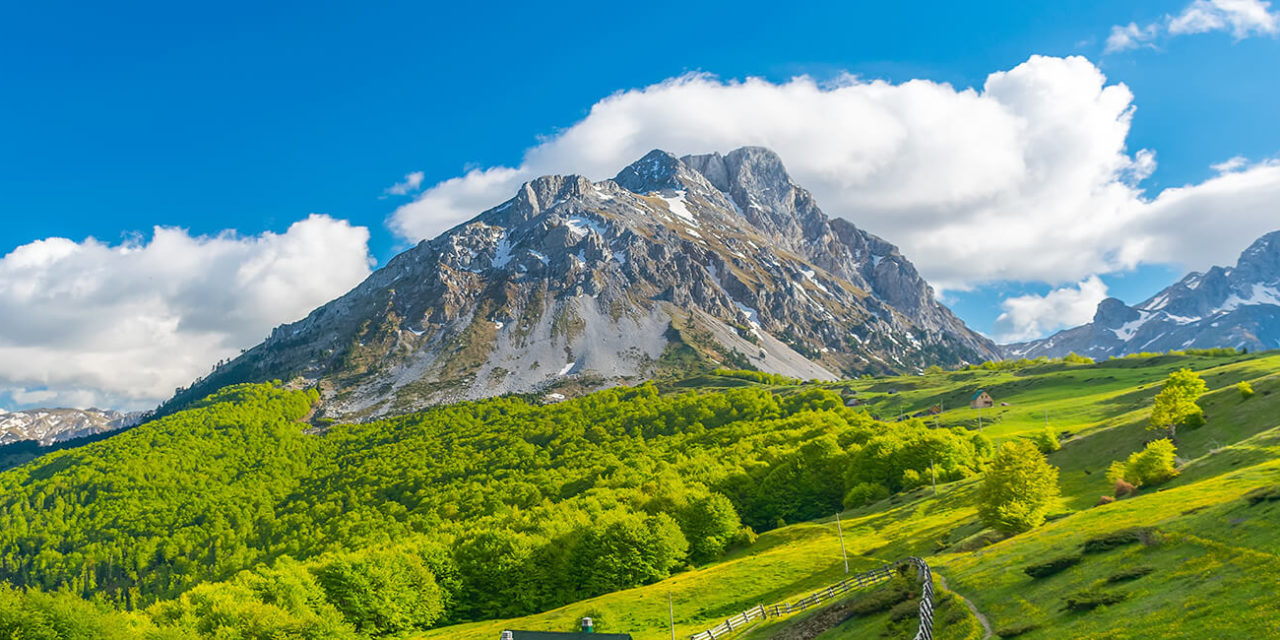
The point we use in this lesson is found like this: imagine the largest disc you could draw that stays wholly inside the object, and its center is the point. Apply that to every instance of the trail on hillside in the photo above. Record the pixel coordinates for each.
(986, 624)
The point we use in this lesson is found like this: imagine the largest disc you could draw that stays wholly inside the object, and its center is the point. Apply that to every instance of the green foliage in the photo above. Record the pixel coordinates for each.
(864, 494)
(1017, 629)
(710, 523)
(1090, 599)
(39, 616)
(1245, 389)
(1130, 574)
(1175, 405)
(1018, 490)
(1072, 358)
(1151, 466)
(626, 550)
(1112, 540)
(1046, 440)
(757, 376)
(1051, 567)
(382, 594)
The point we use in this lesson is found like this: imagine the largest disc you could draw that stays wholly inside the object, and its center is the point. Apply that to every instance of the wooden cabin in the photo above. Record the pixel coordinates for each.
(981, 400)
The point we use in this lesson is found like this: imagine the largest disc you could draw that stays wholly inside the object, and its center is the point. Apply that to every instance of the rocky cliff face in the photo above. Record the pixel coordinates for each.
(1223, 307)
(50, 426)
(676, 263)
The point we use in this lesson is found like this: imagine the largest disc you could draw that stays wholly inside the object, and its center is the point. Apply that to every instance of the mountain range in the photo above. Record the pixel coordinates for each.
(675, 264)
(50, 426)
(1223, 307)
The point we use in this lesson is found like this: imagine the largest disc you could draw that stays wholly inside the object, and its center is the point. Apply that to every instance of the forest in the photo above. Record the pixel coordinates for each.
(236, 519)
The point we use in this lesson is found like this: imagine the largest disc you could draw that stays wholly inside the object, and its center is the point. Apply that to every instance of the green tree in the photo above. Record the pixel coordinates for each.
(710, 523)
(1175, 406)
(1153, 465)
(1019, 488)
(627, 550)
(1245, 389)
(384, 593)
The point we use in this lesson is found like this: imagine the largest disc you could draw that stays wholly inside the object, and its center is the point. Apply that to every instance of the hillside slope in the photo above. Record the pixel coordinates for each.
(675, 265)
(1208, 549)
(507, 514)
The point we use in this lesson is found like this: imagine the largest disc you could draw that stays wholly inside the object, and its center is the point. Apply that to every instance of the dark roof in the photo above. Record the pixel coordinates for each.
(980, 392)
(557, 635)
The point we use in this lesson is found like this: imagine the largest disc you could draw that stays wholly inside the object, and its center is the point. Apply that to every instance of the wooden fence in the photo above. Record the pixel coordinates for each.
(859, 581)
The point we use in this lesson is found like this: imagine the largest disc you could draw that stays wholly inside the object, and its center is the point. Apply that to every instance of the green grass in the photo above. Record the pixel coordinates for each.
(1214, 555)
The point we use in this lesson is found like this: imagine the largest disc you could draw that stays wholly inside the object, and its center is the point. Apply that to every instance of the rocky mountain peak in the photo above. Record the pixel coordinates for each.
(656, 171)
(1113, 313)
(1223, 307)
(1261, 261)
(709, 260)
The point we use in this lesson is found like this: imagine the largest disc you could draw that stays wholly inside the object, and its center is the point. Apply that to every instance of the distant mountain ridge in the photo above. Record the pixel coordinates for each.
(50, 426)
(1224, 307)
(675, 263)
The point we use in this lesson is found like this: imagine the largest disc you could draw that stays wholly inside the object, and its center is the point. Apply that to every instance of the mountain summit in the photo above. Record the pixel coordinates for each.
(675, 264)
(1223, 307)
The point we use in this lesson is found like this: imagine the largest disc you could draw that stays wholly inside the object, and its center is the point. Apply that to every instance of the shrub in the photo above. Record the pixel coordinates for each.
(1128, 574)
(1051, 567)
(865, 493)
(1090, 599)
(1109, 541)
(903, 610)
(1263, 494)
(1245, 389)
(1016, 629)
(1104, 500)
(1153, 465)
(1047, 440)
(882, 599)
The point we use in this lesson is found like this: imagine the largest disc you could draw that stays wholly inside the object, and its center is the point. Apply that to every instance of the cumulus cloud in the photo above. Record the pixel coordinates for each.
(969, 182)
(1031, 316)
(411, 183)
(95, 324)
(1243, 18)
(1027, 178)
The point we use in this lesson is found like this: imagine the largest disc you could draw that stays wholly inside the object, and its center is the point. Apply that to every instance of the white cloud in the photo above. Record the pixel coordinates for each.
(1131, 36)
(1243, 18)
(969, 182)
(1231, 164)
(88, 323)
(411, 183)
(1031, 316)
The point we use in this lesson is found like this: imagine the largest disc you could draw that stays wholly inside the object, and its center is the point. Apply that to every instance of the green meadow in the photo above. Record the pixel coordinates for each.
(1201, 565)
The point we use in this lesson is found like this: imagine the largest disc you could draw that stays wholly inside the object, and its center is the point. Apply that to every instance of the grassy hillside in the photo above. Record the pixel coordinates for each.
(234, 520)
(1207, 537)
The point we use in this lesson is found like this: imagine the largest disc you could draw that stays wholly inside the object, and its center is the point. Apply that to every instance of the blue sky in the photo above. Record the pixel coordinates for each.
(252, 116)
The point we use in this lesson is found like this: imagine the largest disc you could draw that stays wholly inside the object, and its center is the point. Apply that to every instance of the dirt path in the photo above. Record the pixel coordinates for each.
(986, 624)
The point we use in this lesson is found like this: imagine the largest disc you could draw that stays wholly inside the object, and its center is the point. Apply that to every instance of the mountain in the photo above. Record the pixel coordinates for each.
(675, 264)
(49, 426)
(1224, 307)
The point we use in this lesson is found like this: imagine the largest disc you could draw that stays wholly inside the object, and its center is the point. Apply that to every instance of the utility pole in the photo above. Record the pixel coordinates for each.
(843, 555)
(671, 616)
(934, 472)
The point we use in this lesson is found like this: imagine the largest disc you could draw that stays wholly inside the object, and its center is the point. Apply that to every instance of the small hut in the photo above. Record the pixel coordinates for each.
(981, 400)
(587, 633)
